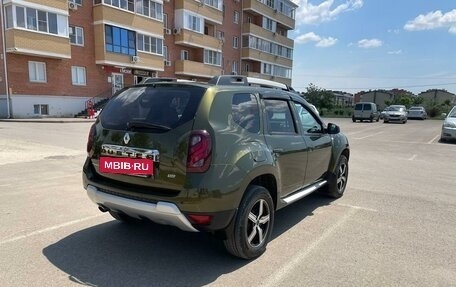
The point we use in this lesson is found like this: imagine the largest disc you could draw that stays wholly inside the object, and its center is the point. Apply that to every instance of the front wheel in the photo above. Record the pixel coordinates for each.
(251, 228)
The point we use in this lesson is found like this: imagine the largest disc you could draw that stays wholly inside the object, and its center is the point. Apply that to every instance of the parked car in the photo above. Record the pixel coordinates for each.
(449, 126)
(395, 113)
(365, 111)
(218, 159)
(382, 114)
(417, 113)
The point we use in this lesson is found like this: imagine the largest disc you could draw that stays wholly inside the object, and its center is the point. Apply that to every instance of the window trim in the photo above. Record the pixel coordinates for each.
(76, 28)
(37, 64)
(76, 69)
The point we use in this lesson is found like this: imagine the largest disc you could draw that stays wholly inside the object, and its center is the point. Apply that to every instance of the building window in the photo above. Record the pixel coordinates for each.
(235, 68)
(78, 76)
(165, 53)
(220, 35)
(217, 4)
(269, 24)
(79, 2)
(77, 35)
(184, 55)
(41, 109)
(120, 40)
(150, 44)
(194, 23)
(122, 4)
(235, 42)
(36, 20)
(212, 57)
(37, 72)
(236, 17)
(147, 8)
(165, 20)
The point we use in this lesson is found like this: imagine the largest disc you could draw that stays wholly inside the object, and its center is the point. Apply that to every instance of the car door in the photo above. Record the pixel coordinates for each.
(319, 143)
(287, 146)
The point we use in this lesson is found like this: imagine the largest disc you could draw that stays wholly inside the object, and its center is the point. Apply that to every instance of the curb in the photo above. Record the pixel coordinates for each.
(48, 121)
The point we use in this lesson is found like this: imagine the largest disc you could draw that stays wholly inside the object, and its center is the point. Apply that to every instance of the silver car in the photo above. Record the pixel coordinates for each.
(395, 113)
(417, 113)
(449, 126)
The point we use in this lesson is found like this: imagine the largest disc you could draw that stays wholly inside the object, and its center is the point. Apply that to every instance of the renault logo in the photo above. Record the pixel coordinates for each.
(126, 138)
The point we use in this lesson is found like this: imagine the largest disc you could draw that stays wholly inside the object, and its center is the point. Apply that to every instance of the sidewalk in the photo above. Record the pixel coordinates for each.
(50, 120)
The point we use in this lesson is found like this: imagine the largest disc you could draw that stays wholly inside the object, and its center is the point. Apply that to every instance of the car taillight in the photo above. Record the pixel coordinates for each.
(199, 151)
(91, 138)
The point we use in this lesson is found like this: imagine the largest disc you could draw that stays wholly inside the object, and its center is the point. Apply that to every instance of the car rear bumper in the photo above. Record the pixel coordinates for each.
(161, 212)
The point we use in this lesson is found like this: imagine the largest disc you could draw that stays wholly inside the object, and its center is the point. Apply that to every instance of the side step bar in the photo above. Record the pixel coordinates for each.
(303, 192)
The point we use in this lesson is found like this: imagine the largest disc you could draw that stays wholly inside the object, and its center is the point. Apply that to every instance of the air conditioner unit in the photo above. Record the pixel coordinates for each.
(275, 10)
(167, 63)
(176, 31)
(233, 73)
(167, 31)
(135, 59)
(72, 5)
(275, 34)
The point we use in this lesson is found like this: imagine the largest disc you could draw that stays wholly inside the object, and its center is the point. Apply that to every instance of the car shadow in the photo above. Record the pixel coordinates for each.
(147, 254)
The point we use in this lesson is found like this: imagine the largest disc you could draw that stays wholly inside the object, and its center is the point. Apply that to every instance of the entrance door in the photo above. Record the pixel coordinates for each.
(117, 82)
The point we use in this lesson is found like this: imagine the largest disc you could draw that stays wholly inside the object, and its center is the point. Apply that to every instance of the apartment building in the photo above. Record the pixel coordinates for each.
(60, 55)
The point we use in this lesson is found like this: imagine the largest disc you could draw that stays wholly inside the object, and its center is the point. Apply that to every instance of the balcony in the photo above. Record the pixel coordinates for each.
(146, 61)
(257, 7)
(196, 69)
(194, 39)
(256, 55)
(266, 34)
(206, 11)
(58, 4)
(37, 44)
(285, 81)
(127, 19)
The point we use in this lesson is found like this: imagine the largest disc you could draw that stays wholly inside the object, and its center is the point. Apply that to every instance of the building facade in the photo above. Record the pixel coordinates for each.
(437, 96)
(60, 55)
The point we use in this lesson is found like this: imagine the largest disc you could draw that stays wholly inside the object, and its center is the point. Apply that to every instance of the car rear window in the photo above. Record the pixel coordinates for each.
(165, 106)
(359, 107)
(367, 107)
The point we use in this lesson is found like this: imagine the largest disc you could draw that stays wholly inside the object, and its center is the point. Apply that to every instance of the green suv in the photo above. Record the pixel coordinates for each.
(216, 158)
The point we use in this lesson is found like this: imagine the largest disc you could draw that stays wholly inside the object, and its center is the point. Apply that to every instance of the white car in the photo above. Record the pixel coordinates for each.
(449, 126)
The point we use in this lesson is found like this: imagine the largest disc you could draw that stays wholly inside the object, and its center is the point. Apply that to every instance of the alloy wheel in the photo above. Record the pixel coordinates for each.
(258, 223)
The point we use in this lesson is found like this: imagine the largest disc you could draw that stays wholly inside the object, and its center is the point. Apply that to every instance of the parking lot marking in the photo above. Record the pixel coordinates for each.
(357, 207)
(368, 136)
(48, 229)
(413, 157)
(431, 141)
(278, 277)
(364, 130)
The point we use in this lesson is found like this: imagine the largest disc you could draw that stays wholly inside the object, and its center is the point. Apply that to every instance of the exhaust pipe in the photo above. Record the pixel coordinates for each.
(103, 208)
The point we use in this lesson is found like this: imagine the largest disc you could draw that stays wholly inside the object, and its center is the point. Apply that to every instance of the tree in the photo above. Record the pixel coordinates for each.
(321, 98)
(418, 101)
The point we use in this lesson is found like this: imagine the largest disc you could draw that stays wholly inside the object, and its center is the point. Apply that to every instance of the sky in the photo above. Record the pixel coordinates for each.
(361, 45)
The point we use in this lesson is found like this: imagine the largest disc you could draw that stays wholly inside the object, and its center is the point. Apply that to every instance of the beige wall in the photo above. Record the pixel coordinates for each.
(438, 96)
(377, 97)
(17, 41)
(248, 53)
(124, 18)
(194, 39)
(205, 11)
(266, 34)
(196, 69)
(59, 4)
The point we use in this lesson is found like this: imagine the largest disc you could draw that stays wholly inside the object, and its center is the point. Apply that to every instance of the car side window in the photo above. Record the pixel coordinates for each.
(245, 112)
(308, 123)
(278, 117)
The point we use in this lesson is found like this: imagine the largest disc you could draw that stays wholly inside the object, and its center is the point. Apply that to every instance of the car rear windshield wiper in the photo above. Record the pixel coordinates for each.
(146, 125)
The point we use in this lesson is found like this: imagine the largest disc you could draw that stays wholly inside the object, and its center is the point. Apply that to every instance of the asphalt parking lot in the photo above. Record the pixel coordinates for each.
(395, 225)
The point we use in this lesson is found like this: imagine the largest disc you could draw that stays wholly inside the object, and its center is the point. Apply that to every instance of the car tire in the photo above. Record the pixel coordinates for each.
(385, 121)
(337, 182)
(251, 228)
(354, 120)
(123, 217)
(371, 119)
(378, 119)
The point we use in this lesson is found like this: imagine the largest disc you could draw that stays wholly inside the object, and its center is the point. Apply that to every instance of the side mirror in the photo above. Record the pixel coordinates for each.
(333, 129)
(444, 114)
